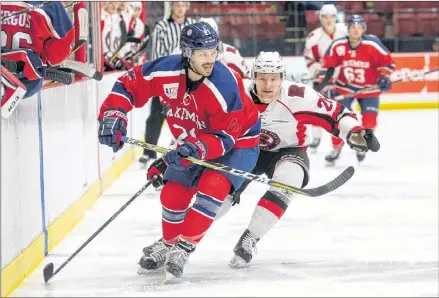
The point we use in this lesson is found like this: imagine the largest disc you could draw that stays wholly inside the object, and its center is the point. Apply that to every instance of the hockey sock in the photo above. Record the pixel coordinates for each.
(337, 142)
(369, 120)
(275, 201)
(175, 199)
(212, 190)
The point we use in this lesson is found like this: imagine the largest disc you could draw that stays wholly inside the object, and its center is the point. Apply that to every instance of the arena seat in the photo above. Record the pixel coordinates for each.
(404, 24)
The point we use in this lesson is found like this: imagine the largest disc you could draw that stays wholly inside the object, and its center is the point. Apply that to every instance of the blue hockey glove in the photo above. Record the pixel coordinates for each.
(112, 126)
(193, 148)
(384, 83)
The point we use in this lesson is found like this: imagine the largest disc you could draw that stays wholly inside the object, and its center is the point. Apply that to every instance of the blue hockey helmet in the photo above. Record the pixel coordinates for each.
(198, 36)
(357, 19)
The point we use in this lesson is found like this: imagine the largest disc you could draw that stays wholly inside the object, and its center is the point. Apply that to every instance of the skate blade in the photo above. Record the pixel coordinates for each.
(171, 278)
(238, 262)
(330, 163)
(143, 271)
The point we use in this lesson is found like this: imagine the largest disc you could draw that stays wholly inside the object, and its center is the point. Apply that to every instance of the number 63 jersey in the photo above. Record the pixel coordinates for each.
(360, 67)
(284, 120)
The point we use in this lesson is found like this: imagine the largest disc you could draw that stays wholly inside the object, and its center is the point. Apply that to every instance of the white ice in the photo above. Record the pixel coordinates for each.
(375, 236)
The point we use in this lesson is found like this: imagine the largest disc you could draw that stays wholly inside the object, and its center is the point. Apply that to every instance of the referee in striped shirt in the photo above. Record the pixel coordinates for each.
(166, 39)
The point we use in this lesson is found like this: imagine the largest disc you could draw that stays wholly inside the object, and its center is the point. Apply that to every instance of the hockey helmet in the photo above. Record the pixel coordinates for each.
(268, 62)
(198, 36)
(357, 19)
(328, 10)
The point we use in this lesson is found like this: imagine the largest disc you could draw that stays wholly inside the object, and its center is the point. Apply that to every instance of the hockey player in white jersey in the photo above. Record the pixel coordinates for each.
(317, 42)
(286, 108)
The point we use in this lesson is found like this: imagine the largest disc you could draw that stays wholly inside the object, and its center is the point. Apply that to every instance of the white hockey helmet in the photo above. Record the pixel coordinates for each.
(211, 22)
(134, 5)
(268, 62)
(328, 10)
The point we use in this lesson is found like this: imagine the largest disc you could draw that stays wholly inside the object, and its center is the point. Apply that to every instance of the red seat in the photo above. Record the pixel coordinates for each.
(427, 5)
(375, 24)
(353, 6)
(386, 6)
(407, 4)
(428, 24)
(404, 24)
(312, 20)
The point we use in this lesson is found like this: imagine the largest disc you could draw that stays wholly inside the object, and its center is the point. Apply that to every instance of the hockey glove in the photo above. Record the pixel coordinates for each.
(191, 148)
(384, 83)
(112, 126)
(362, 140)
(157, 168)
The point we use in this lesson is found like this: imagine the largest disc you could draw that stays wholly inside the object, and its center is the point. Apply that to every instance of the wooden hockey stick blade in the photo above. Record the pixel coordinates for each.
(310, 192)
(83, 24)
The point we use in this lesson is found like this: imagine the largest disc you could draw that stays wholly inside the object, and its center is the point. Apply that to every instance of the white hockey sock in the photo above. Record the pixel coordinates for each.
(263, 220)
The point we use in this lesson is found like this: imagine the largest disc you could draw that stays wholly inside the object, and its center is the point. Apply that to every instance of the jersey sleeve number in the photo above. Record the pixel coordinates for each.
(326, 103)
(354, 75)
(16, 37)
(184, 134)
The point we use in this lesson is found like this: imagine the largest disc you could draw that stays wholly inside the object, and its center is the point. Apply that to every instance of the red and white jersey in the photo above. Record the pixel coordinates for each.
(137, 27)
(47, 31)
(284, 119)
(359, 67)
(317, 42)
(231, 57)
(111, 33)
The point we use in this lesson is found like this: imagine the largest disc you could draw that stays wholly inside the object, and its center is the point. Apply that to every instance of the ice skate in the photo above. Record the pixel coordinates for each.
(154, 257)
(144, 159)
(244, 250)
(176, 259)
(333, 156)
(361, 156)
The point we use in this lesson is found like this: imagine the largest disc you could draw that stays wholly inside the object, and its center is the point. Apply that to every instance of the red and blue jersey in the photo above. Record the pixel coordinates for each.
(218, 111)
(360, 67)
(47, 31)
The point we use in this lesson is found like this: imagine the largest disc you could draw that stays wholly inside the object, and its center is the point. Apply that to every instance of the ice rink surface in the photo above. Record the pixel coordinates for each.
(375, 236)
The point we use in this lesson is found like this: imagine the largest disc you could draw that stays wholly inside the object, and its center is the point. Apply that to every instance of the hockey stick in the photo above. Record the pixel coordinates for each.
(82, 68)
(310, 192)
(60, 76)
(34, 7)
(375, 87)
(326, 80)
(142, 49)
(123, 39)
(13, 66)
(48, 272)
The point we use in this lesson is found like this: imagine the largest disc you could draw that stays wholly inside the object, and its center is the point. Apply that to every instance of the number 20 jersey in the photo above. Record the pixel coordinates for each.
(284, 120)
(360, 67)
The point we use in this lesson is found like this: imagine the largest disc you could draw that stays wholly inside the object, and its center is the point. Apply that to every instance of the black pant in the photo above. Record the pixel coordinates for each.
(154, 125)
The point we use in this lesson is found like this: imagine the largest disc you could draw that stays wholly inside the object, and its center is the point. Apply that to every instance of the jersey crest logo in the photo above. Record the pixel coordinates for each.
(341, 51)
(171, 90)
